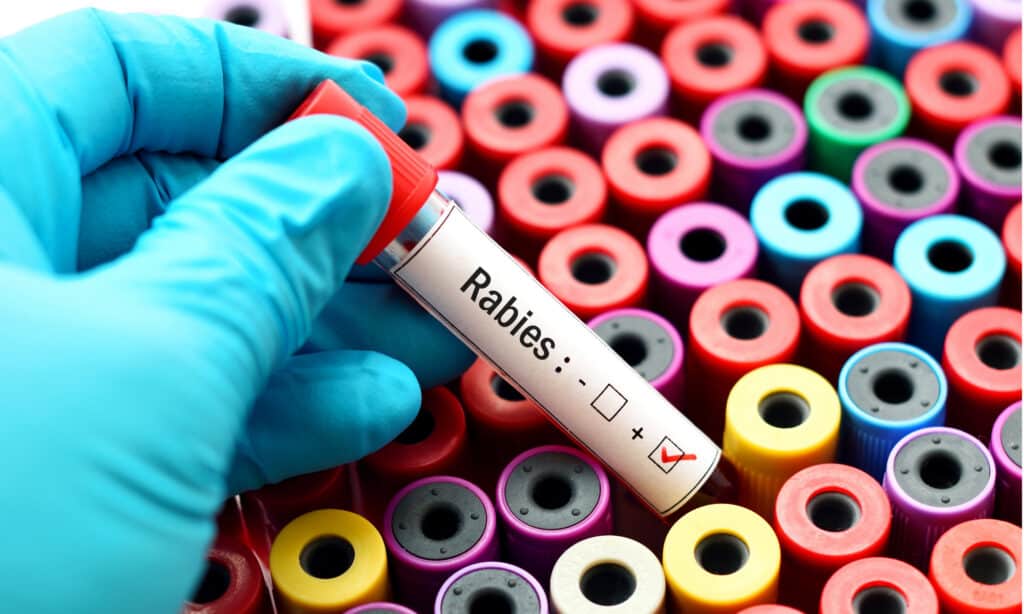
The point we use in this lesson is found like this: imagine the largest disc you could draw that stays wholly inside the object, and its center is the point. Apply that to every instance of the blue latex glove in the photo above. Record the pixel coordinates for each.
(136, 395)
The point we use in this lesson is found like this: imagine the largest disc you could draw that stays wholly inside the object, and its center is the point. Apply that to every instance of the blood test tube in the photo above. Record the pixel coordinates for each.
(433, 130)
(1004, 445)
(994, 21)
(709, 58)
(330, 18)
(901, 28)
(695, 247)
(656, 17)
(825, 517)
(608, 574)
(987, 154)
(380, 607)
(397, 51)
(887, 391)
(1011, 63)
(425, 15)
(491, 587)
(734, 328)
(754, 136)
(545, 192)
(897, 183)
(549, 498)
(953, 264)
(612, 85)
(270, 508)
(721, 558)
(464, 279)
(778, 419)
(652, 166)
(806, 38)
(232, 583)
(975, 568)
(594, 268)
(433, 528)
(502, 422)
(849, 302)
(935, 478)
(847, 111)
(981, 358)
(649, 343)
(953, 86)
(434, 444)
(512, 116)
(801, 219)
(563, 29)
(1011, 294)
(326, 561)
(471, 196)
(472, 47)
(770, 608)
(266, 15)
(878, 584)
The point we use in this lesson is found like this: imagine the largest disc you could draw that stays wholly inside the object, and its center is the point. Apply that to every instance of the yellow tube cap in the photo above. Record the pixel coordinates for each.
(328, 561)
(720, 559)
(779, 419)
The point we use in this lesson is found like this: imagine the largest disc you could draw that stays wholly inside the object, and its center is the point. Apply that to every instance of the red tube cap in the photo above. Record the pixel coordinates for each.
(401, 55)
(975, 568)
(413, 179)
(878, 584)
(516, 115)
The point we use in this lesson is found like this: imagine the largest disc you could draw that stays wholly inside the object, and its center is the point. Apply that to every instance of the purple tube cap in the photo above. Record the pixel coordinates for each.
(664, 357)
(509, 586)
(1006, 434)
(793, 149)
(265, 15)
(638, 69)
(470, 195)
(868, 183)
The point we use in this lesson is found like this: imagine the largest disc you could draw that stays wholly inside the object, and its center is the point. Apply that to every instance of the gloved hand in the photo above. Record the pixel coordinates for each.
(136, 395)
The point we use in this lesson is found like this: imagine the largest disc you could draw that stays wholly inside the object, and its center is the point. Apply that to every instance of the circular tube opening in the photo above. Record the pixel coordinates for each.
(504, 390)
(919, 10)
(1000, 352)
(722, 553)
(553, 189)
(491, 601)
(348, 2)
(243, 15)
(745, 323)
(816, 31)
(784, 410)
(215, 583)
(834, 512)
(754, 128)
(806, 214)
(1005, 155)
(855, 299)
(702, 245)
(551, 492)
(630, 347)
(950, 256)
(381, 60)
(989, 565)
(593, 268)
(893, 386)
(442, 521)
(656, 161)
(940, 470)
(480, 51)
(608, 584)
(515, 114)
(855, 106)
(615, 83)
(327, 557)
(415, 135)
(421, 428)
(714, 55)
(580, 14)
(958, 83)
(906, 179)
(879, 600)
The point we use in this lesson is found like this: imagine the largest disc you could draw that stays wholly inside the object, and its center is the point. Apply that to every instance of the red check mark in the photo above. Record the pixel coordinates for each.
(671, 458)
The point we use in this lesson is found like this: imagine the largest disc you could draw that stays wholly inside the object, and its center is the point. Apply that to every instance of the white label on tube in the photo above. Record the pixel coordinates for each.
(548, 354)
